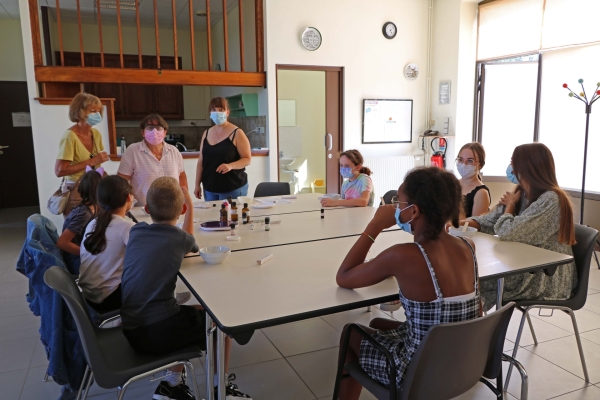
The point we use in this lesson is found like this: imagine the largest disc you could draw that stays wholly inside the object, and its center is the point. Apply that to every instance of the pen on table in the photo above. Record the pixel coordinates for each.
(264, 260)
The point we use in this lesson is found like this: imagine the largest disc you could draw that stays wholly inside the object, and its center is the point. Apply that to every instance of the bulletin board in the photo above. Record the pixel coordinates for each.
(387, 121)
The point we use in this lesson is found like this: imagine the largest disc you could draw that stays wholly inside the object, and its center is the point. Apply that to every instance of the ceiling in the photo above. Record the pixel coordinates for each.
(9, 9)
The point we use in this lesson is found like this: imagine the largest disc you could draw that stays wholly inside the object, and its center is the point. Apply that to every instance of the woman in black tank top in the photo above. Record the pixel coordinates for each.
(224, 154)
(470, 161)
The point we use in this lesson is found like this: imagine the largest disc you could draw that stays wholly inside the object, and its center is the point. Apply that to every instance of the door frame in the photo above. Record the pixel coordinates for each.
(322, 68)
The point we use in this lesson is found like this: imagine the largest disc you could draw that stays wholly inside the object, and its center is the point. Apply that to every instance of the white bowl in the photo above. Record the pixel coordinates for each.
(458, 231)
(215, 254)
(244, 199)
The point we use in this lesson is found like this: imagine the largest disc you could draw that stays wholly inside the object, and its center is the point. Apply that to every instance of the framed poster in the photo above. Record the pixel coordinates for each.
(387, 121)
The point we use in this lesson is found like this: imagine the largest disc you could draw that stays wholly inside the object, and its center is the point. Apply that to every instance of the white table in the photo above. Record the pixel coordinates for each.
(293, 228)
(303, 203)
(299, 282)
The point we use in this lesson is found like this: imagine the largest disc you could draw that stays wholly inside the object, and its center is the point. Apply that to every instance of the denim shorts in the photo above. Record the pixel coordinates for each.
(211, 196)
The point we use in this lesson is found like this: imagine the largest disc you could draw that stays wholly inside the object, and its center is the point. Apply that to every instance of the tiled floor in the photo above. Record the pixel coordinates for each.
(294, 361)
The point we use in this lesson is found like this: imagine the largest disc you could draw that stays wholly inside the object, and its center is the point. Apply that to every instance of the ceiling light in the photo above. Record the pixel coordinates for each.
(112, 4)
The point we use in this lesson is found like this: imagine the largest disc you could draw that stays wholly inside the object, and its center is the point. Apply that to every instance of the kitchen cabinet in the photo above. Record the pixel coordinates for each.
(243, 105)
(133, 102)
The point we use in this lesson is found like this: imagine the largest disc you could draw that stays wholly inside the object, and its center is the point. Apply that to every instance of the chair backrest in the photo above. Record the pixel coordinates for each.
(61, 281)
(452, 357)
(272, 189)
(387, 197)
(493, 367)
(582, 252)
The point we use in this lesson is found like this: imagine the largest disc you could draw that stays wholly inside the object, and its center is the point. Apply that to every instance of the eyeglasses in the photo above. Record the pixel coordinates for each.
(396, 202)
(159, 128)
(468, 161)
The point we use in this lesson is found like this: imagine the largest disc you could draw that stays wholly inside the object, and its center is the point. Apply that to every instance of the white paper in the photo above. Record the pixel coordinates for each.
(21, 119)
(286, 112)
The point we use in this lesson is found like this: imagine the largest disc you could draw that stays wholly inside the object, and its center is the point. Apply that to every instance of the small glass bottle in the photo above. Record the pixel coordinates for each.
(245, 214)
(223, 216)
(123, 145)
(234, 213)
(267, 224)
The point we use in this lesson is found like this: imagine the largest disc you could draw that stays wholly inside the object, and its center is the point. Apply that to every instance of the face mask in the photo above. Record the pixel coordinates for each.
(466, 171)
(346, 172)
(218, 117)
(510, 175)
(93, 119)
(406, 225)
(154, 137)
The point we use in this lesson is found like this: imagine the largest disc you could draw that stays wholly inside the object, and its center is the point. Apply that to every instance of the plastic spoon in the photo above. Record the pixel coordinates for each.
(465, 226)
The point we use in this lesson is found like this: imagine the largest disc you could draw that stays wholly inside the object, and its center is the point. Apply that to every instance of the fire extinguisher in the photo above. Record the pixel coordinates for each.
(438, 159)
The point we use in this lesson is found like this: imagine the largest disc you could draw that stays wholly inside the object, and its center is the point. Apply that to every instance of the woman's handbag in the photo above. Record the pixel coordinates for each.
(58, 201)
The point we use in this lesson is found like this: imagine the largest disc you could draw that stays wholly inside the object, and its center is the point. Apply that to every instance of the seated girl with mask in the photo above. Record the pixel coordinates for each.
(357, 189)
(539, 213)
(437, 274)
(476, 196)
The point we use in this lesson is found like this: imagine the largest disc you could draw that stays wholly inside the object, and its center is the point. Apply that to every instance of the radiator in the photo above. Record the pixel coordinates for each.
(388, 172)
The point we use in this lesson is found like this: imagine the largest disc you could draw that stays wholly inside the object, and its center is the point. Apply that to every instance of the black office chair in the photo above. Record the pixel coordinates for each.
(112, 361)
(387, 197)
(450, 360)
(582, 252)
(272, 189)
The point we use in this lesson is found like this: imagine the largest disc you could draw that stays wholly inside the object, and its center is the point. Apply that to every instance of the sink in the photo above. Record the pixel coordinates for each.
(285, 161)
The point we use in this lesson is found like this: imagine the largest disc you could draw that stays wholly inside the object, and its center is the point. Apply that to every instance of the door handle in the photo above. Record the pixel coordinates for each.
(330, 141)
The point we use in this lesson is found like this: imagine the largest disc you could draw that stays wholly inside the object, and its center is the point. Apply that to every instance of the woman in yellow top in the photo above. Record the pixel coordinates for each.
(80, 146)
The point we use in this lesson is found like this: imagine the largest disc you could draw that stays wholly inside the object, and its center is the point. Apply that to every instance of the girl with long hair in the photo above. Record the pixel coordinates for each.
(76, 221)
(103, 248)
(539, 213)
(476, 196)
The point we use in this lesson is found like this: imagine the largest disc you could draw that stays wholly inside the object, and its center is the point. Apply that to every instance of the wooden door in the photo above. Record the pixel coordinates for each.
(139, 99)
(18, 178)
(333, 128)
(168, 99)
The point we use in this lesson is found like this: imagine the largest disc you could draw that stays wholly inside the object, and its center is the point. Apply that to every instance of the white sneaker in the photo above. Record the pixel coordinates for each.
(390, 306)
(183, 297)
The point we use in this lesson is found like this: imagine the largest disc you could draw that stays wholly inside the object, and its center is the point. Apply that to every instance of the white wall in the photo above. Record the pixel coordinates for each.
(12, 60)
(352, 38)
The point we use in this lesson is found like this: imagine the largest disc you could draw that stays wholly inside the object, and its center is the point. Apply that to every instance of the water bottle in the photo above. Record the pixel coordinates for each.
(123, 145)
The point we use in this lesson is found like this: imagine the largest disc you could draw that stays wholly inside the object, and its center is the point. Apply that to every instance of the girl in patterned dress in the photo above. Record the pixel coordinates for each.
(437, 275)
(357, 189)
(539, 213)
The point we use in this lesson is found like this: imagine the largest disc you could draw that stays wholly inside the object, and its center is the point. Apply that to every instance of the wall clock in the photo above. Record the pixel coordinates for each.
(411, 72)
(389, 30)
(311, 38)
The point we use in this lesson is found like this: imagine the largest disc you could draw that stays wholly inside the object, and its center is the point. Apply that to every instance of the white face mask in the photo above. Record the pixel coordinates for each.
(466, 171)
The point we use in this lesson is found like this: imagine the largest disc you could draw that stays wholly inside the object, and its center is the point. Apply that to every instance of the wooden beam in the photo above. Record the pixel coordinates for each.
(156, 35)
(208, 35)
(260, 29)
(174, 12)
(192, 44)
(149, 76)
(225, 35)
(139, 35)
(60, 38)
(120, 32)
(81, 49)
(36, 38)
(100, 33)
(241, 14)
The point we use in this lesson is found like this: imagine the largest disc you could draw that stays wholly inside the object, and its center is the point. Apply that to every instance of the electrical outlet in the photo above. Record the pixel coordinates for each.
(260, 129)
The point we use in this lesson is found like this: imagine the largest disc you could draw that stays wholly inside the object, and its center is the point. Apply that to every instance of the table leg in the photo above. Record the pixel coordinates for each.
(499, 293)
(221, 363)
(210, 362)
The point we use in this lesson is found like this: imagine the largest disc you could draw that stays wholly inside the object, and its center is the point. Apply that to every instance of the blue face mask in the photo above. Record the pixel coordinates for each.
(93, 119)
(404, 226)
(510, 175)
(346, 172)
(218, 117)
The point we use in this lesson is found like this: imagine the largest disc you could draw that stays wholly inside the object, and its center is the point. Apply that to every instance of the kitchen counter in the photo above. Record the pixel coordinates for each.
(195, 154)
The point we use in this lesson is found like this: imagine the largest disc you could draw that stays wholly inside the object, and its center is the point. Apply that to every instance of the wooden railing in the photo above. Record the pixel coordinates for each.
(65, 79)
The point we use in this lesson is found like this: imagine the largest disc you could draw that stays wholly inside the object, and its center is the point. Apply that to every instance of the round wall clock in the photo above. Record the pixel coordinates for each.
(389, 30)
(311, 38)
(411, 72)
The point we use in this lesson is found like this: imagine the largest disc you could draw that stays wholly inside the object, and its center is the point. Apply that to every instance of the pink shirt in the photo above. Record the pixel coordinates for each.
(143, 167)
